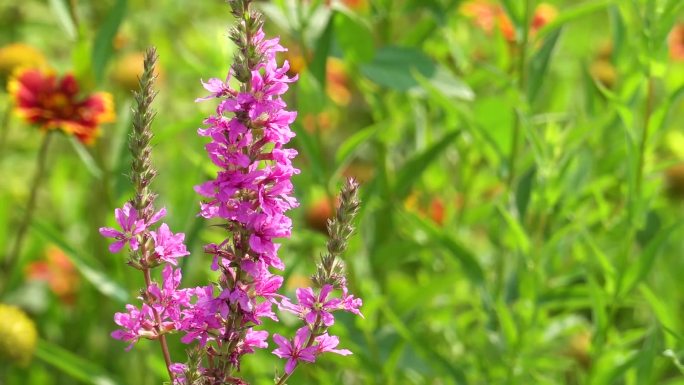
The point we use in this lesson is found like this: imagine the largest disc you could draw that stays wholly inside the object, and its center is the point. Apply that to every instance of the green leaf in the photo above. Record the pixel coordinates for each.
(87, 159)
(574, 13)
(311, 149)
(513, 12)
(524, 191)
(413, 168)
(539, 65)
(320, 60)
(103, 44)
(73, 365)
(103, 283)
(352, 143)
(638, 270)
(466, 258)
(275, 15)
(354, 37)
(392, 67)
(519, 234)
(445, 83)
(61, 10)
(422, 345)
(664, 315)
(507, 323)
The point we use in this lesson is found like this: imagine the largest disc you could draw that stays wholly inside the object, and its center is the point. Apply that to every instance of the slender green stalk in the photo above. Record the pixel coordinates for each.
(142, 173)
(521, 72)
(157, 326)
(15, 251)
(73, 5)
(522, 88)
(648, 111)
(4, 126)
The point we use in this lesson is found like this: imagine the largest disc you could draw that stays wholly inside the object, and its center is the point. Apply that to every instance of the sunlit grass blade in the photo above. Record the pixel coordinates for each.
(104, 40)
(61, 10)
(414, 167)
(100, 280)
(73, 365)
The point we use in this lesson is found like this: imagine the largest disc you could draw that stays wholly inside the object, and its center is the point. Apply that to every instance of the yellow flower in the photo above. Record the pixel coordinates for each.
(19, 55)
(17, 335)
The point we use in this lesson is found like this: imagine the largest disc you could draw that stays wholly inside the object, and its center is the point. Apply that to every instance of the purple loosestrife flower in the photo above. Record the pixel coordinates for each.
(163, 306)
(316, 309)
(312, 307)
(326, 343)
(166, 301)
(131, 226)
(167, 245)
(295, 350)
(250, 193)
(132, 324)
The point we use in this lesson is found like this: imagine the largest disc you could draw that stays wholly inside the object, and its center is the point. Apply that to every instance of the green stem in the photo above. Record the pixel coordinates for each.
(522, 88)
(15, 251)
(73, 4)
(157, 320)
(644, 135)
(4, 126)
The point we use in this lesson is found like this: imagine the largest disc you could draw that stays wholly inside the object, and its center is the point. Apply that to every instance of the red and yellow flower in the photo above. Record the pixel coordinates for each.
(42, 99)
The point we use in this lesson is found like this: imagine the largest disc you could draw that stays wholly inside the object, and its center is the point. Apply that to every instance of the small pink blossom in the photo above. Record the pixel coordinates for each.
(326, 343)
(127, 218)
(131, 226)
(295, 350)
(167, 245)
(135, 323)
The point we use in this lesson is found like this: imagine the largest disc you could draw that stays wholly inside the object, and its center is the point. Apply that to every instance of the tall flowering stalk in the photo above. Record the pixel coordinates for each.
(316, 305)
(249, 196)
(161, 304)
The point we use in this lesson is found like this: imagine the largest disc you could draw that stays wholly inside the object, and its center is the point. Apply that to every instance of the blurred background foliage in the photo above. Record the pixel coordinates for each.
(522, 169)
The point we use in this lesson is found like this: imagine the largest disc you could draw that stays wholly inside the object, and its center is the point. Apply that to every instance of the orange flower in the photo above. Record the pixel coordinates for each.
(355, 4)
(318, 214)
(483, 13)
(59, 273)
(51, 103)
(543, 15)
(676, 42)
(486, 15)
(426, 206)
(336, 82)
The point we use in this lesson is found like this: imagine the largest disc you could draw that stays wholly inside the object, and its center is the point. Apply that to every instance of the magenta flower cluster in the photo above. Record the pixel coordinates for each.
(165, 248)
(249, 197)
(316, 312)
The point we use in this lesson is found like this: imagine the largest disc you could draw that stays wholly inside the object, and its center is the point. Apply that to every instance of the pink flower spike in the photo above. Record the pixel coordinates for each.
(294, 351)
